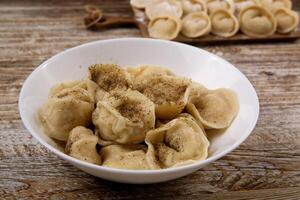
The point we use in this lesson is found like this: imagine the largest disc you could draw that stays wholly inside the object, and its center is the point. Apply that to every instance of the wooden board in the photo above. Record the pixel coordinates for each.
(142, 21)
(265, 166)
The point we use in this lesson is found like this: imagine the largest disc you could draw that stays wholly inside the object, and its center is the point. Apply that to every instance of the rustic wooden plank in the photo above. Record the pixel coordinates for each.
(265, 166)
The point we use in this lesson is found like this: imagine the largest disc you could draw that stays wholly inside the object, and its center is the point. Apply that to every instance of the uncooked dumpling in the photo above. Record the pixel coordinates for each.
(215, 110)
(82, 145)
(164, 27)
(287, 20)
(273, 5)
(224, 23)
(190, 6)
(213, 5)
(242, 4)
(179, 142)
(124, 117)
(169, 94)
(144, 71)
(256, 21)
(196, 24)
(109, 77)
(125, 156)
(65, 110)
(163, 8)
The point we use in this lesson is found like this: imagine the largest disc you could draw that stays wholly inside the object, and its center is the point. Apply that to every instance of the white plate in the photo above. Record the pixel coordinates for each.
(184, 60)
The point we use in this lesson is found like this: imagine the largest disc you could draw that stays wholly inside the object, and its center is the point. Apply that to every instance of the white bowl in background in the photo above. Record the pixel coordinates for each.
(200, 65)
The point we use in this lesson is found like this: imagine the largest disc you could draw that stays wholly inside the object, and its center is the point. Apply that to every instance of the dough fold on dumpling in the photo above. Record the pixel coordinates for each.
(197, 90)
(66, 109)
(273, 5)
(179, 142)
(87, 84)
(169, 94)
(142, 72)
(216, 109)
(196, 24)
(213, 5)
(191, 6)
(164, 8)
(287, 20)
(256, 21)
(164, 27)
(82, 145)
(224, 23)
(124, 117)
(242, 4)
(125, 157)
(109, 77)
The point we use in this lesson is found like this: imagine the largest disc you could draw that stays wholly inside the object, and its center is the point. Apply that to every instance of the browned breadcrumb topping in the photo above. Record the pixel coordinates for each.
(109, 76)
(162, 89)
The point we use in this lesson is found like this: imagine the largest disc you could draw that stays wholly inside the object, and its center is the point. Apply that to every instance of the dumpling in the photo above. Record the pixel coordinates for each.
(164, 27)
(88, 85)
(64, 111)
(125, 156)
(215, 110)
(164, 8)
(124, 117)
(256, 21)
(197, 90)
(169, 94)
(179, 142)
(82, 145)
(242, 4)
(141, 4)
(213, 5)
(224, 23)
(191, 6)
(196, 24)
(273, 5)
(144, 71)
(109, 77)
(287, 20)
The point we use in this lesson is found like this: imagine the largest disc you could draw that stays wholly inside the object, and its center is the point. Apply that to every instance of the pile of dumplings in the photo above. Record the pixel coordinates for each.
(139, 118)
(224, 18)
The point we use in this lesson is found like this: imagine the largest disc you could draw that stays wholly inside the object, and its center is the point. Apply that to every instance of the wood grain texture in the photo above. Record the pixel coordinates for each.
(266, 166)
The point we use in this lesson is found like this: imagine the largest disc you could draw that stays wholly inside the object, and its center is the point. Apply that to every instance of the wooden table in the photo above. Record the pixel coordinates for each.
(266, 166)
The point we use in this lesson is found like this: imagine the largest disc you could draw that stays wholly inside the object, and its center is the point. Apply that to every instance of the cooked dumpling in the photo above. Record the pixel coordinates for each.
(141, 4)
(124, 156)
(82, 145)
(273, 5)
(287, 20)
(169, 94)
(197, 90)
(215, 110)
(179, 142)
(224, 23)
(65, 110)
(164, 27)
(196, 24)
(164, 8)
(191, 6)
(109, 77)
(256, 21)
(124, 117)
(88, 85)
(242, 4)
(144, 71)
(213, 5)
